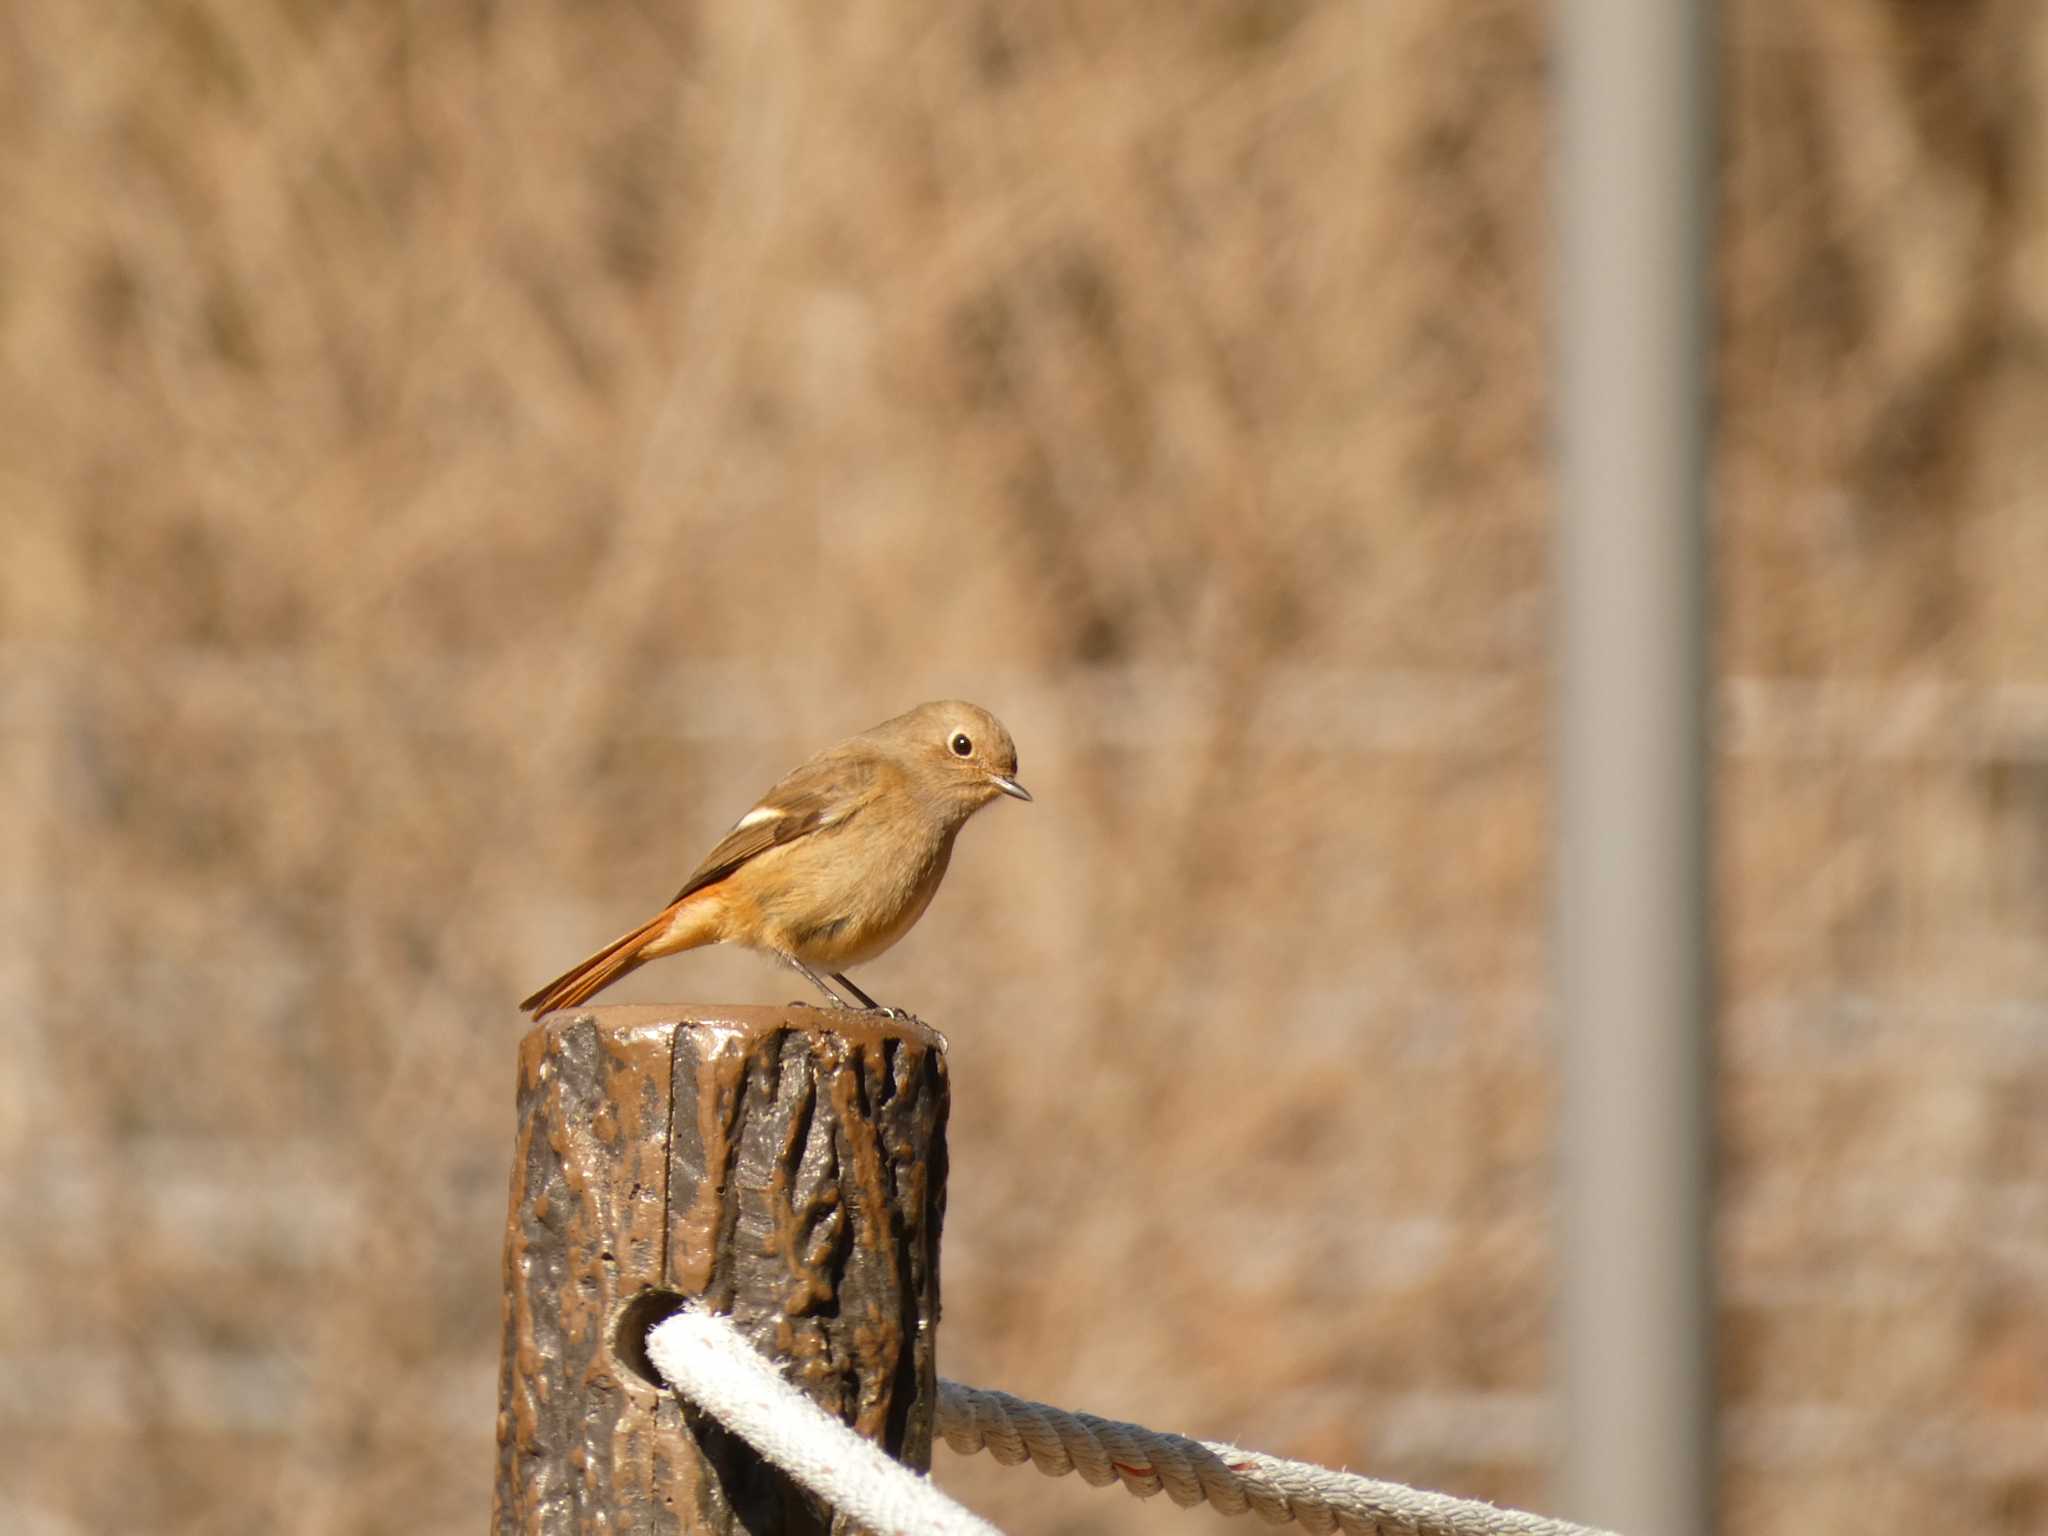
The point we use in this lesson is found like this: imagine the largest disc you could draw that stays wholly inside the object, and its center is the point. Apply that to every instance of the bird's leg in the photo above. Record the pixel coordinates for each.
(867, 1002)
(819, 982)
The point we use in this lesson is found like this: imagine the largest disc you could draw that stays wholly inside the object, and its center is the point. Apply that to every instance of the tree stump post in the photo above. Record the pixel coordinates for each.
(786, 1165)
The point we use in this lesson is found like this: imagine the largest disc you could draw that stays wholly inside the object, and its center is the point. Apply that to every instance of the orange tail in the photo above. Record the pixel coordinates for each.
(588, 977)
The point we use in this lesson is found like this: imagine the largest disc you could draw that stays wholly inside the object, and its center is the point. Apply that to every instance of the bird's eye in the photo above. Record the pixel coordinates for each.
(961, 746)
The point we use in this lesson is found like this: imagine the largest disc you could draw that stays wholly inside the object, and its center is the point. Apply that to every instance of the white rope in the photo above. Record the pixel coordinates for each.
(707, 1361)
(1232, 1480)
(703, 1358)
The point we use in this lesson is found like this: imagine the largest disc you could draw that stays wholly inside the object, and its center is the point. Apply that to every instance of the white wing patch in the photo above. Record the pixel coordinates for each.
(757, 815)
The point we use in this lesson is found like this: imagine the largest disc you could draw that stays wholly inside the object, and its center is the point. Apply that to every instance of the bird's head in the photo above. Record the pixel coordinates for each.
(957, 752)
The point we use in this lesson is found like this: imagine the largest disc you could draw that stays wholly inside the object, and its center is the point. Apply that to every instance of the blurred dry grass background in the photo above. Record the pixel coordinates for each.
(452, 456)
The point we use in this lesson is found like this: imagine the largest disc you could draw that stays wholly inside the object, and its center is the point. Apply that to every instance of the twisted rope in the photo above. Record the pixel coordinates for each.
(1230, 1479)
(704, 1359)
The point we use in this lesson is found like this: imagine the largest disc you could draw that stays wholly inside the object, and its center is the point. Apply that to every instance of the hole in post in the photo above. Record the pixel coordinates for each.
(629, 1333)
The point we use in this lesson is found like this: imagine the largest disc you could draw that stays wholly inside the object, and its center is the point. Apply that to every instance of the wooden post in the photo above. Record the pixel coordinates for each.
(786, 1164)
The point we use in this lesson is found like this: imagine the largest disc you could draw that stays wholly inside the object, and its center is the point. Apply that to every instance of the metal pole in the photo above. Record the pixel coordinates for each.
(1635, 159)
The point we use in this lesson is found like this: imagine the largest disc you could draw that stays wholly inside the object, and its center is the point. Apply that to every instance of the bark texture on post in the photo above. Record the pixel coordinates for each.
(787, 1165)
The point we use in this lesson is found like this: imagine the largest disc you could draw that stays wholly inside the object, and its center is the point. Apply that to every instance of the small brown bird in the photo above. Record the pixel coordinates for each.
(836, 862)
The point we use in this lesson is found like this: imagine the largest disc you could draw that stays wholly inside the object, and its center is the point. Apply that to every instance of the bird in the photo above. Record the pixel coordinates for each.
(835, 863)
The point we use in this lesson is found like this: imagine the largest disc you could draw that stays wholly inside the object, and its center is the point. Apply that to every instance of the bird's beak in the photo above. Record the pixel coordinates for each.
(1009, 786)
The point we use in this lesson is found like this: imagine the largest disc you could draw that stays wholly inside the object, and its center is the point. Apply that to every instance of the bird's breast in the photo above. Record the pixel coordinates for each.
(866, 887)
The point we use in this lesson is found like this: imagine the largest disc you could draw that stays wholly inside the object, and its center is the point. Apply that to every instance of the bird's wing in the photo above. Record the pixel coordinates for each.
(825, 792)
